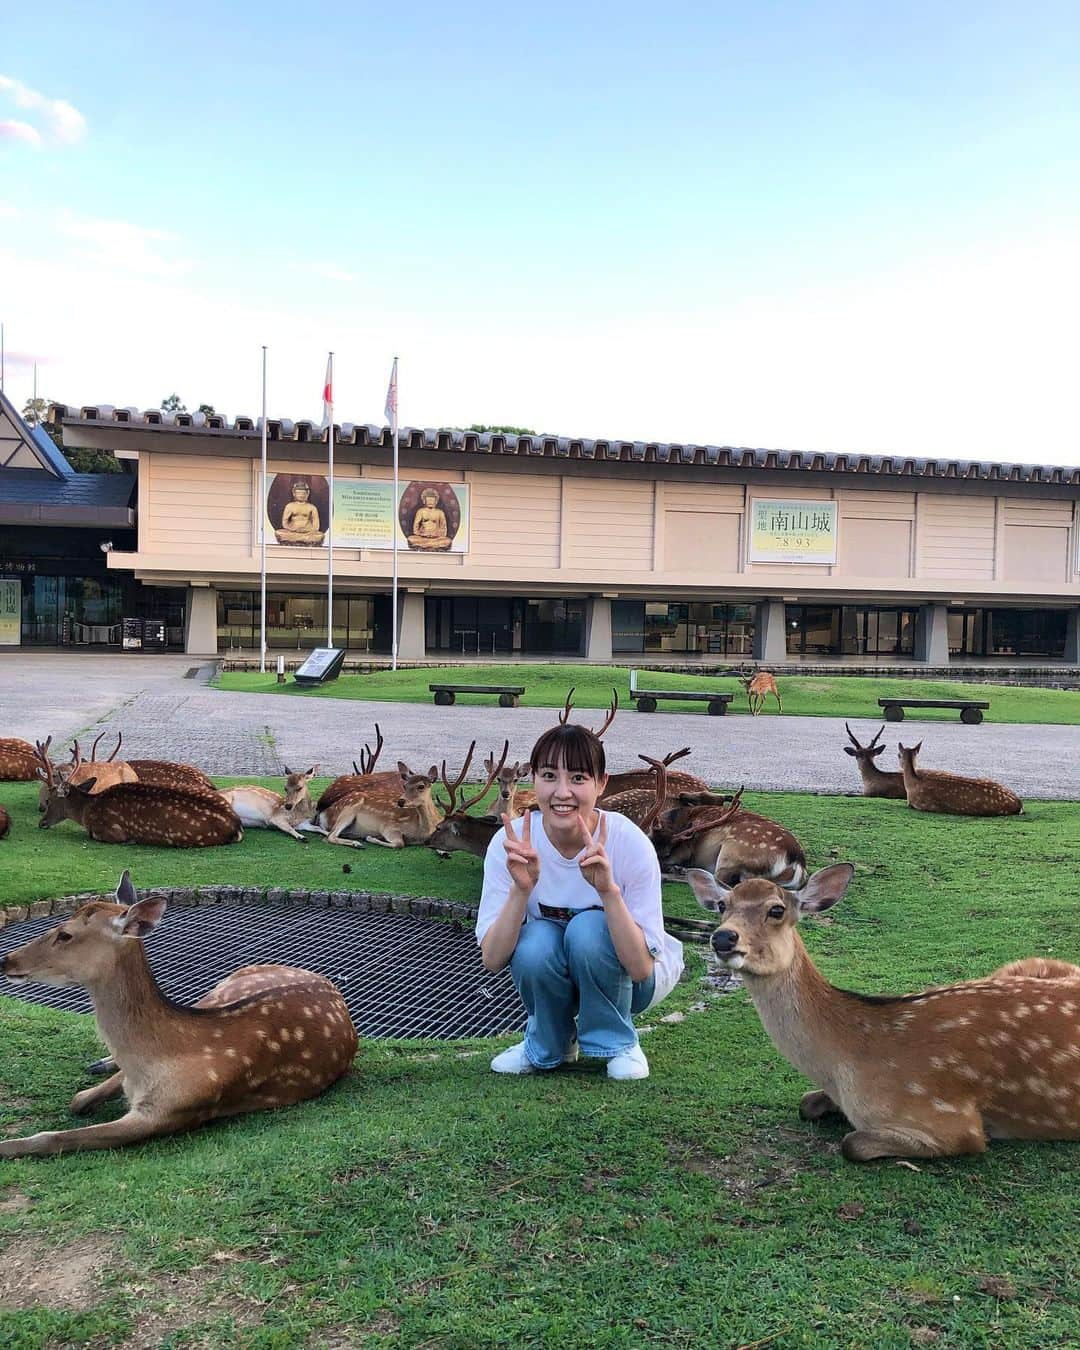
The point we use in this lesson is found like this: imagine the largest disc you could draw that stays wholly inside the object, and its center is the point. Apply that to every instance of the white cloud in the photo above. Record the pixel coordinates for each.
(119, 245)
(57, 122)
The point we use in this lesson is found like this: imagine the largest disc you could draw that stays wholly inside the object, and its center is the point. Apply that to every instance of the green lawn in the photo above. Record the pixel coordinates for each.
(546, 686)
(424, 1201)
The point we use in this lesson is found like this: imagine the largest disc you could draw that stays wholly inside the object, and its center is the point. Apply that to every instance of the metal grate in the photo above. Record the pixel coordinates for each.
(400, 976)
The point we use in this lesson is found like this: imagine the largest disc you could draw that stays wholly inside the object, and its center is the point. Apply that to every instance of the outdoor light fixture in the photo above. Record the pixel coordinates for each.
(106, 546)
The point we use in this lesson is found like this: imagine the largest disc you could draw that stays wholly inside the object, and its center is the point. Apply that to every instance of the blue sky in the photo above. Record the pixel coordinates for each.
(831, 226)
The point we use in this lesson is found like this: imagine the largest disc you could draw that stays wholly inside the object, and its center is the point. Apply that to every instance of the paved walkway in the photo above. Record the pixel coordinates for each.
(166, 710)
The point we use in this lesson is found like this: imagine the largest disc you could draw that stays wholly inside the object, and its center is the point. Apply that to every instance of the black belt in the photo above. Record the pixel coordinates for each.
(563, 915)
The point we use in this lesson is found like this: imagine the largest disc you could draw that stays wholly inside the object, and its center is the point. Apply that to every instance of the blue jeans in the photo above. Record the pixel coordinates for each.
(567, 970)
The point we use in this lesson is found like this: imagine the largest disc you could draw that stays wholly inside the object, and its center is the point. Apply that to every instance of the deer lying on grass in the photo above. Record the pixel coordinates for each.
(265, 1036)
(637, 778)
(876, 782)
(388, 814)
(458, 832)
(264, 809)
(923, 1075)
(166, 773)
(104, 773)
(950, 794)
(642, 805)
(757, 686)
(18, 760)
(712, 831)
(363, 776)
(139, 813)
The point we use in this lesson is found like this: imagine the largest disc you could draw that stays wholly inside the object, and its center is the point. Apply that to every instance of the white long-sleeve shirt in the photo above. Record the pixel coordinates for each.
(634, 869)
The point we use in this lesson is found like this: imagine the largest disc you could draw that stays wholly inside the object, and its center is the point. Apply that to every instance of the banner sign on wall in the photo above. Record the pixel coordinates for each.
(10, 612)
(429, 516)
(792, 531)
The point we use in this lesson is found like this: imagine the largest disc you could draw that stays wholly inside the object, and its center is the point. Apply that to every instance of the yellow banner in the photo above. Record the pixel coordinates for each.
(10, 613)
(792, 531)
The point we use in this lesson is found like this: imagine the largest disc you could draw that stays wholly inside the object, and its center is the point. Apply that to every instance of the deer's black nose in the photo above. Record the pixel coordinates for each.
(724, 940)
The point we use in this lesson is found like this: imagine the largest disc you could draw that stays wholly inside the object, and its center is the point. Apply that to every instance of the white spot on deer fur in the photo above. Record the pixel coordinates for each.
(273, 1045)
(916, 1089)
(939, 1104)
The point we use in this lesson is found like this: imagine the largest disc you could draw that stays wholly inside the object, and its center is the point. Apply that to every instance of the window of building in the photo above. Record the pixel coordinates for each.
(699, 627)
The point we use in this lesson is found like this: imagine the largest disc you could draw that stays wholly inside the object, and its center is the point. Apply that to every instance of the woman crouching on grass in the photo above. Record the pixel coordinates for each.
(571, 900)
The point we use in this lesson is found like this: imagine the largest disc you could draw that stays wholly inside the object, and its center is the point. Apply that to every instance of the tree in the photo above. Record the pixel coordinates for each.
(171, 403)
(207, 408)
(507, 431)
(34, 411)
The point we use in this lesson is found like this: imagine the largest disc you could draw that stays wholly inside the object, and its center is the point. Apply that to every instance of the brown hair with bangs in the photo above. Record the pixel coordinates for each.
(577, 748)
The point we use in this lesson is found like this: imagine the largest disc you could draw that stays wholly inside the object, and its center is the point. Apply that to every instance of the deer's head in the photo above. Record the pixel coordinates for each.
(296, 786)
(908, 754)
(415, 787)
(84, 948)
(757, 918)
(868, 751)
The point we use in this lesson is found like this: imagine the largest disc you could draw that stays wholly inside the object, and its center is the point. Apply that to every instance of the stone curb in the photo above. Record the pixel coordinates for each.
(362, 902)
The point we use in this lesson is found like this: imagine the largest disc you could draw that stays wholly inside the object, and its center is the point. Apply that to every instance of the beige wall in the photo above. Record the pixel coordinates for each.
(200, 517)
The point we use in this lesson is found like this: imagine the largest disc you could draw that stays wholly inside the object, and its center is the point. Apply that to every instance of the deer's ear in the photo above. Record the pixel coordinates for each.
(403, 769)
(86, 786)
(710, 894)
(41, 773)
(433, 772)
(140, 918)
(848, 750)
(312, 771)
(824, 888)
(125, 891)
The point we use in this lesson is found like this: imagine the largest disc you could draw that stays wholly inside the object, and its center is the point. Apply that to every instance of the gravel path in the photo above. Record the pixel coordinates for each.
(166, 710)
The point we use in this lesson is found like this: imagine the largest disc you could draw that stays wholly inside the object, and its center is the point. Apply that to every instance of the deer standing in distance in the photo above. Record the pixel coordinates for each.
(512, 799)
(876, 782)
(363, 776)
(139, 813)
(388, 815)
(459, 832)
(712, 831)
(636, 778)
(264, 809)
(951, 794)
(923, 1075)
(18, 760)
(757, 686)
(266, 1036)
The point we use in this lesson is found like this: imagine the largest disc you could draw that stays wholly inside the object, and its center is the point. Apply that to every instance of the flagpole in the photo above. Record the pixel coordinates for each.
(262, 529)
(395, 528)
(330, 529)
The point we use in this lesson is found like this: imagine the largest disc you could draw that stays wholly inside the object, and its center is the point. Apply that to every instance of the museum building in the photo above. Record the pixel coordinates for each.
(549, 546)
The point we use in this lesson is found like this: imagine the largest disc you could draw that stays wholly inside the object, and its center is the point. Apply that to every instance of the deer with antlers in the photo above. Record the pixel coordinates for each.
(757, 685)
(363, 776)
(951, 794)
(138, 813)
(458, 831)
(644, 778)
(924, 1075)
(876, 782)
(642, 805)
(18, 760)
(266, 1036)
(291, 811)
(712, 831)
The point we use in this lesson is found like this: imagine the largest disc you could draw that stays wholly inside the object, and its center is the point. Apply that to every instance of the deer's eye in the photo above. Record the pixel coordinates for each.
(777, 911)
(61, 936)
(720, 906)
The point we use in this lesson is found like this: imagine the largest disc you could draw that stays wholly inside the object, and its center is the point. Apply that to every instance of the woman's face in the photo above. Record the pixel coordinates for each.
(564, 794)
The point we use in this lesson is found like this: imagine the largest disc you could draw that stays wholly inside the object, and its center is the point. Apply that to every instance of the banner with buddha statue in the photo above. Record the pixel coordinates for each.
(429, 516)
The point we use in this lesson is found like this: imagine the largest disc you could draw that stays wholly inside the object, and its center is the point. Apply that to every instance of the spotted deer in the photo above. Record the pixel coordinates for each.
(139, 813)
(105, 772)
(18, 760)
(291, 811)
(390, 815)
(363, 776)
(876, 782)
(643, 778)
(922, 1075)
(166, 773)
(757, 686)
(266, 1036)
(459, 832)
(642, 805)
(951, 794)
(712, 831)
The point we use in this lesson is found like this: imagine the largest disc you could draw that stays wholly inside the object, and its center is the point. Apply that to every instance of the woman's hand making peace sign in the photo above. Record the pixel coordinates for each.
(594, 862)
(522, 860)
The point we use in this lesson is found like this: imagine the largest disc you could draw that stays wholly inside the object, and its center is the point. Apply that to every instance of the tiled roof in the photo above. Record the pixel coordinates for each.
(28, 496)
(568, 447)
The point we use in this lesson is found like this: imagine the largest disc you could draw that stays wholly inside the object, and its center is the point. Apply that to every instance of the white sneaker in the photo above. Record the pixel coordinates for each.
(630, 1064)
(515, 1060)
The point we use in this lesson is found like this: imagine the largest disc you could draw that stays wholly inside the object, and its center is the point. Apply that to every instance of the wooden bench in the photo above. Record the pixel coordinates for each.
(509, 694)
(970, 709)
(646, 699)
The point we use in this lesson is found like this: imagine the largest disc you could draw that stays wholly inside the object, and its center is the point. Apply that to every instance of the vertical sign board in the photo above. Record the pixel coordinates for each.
(784, 531)
(10, 612)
